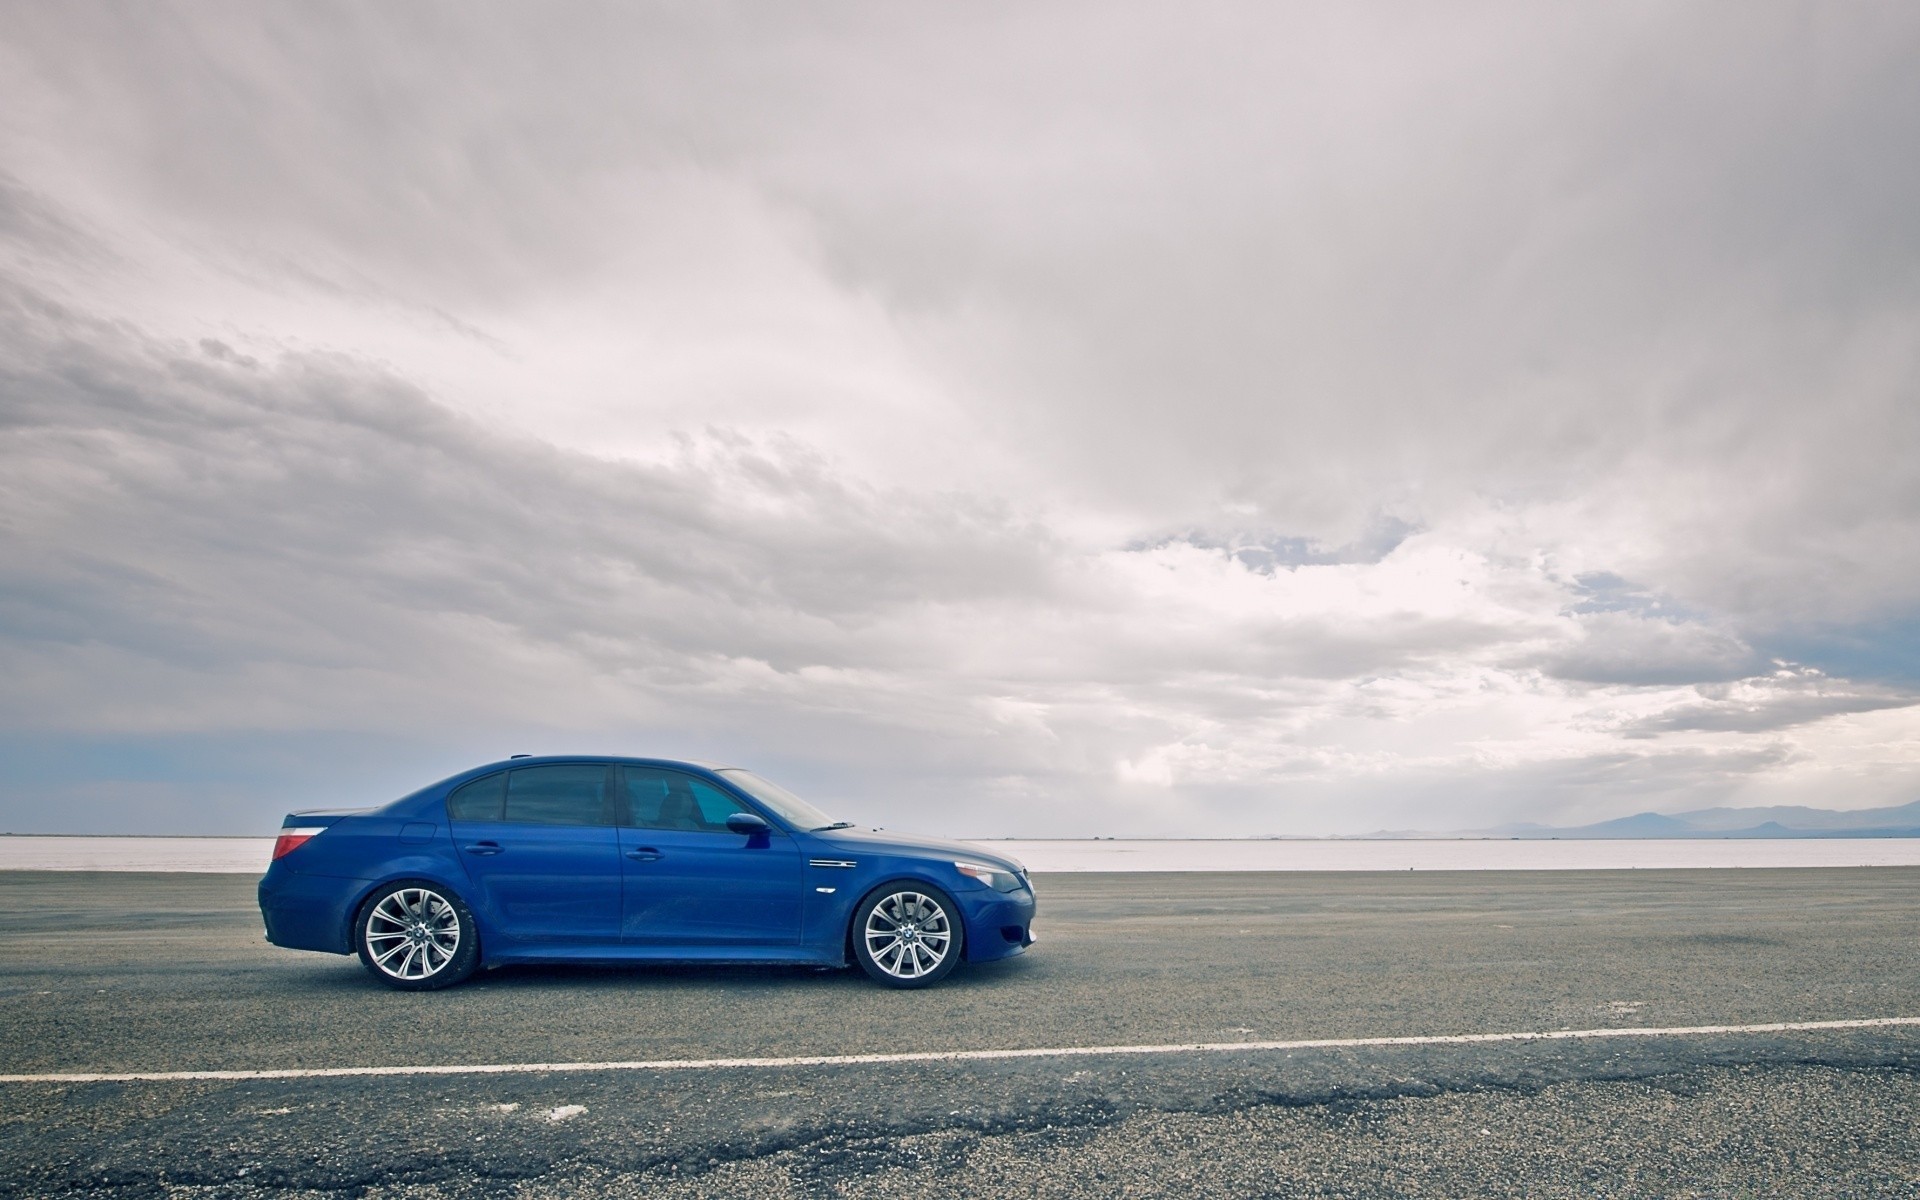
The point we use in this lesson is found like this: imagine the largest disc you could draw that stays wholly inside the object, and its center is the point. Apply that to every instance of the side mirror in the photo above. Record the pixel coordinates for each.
(749, 825)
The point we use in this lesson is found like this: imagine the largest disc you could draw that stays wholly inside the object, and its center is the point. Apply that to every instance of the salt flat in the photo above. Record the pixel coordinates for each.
(1461, 854)
(249, 856)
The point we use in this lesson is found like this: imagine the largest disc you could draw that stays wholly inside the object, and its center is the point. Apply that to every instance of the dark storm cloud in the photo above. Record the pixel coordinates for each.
(1320, 266)
(1320, 262)
(154, 485)
(36, 227)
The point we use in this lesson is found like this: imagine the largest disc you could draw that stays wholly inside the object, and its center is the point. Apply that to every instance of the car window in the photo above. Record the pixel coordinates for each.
(662, 799)
(482, 800)
(558, 794)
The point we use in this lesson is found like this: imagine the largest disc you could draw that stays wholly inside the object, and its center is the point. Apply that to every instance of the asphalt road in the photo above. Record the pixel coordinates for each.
(110, 973)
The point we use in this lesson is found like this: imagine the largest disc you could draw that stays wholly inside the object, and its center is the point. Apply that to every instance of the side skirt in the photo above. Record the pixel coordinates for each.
(715, 955)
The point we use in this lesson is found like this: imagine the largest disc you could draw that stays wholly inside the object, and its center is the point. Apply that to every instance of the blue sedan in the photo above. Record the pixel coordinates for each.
(571, 859)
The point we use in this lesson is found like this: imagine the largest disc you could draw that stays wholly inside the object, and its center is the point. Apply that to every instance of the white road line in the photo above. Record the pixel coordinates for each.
(935, 1056)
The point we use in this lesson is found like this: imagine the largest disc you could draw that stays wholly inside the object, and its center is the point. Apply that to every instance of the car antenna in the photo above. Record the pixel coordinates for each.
(519, 756)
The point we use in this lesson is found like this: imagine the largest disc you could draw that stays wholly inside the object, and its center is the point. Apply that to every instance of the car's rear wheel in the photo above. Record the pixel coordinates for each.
(908, 935)
(416, 936)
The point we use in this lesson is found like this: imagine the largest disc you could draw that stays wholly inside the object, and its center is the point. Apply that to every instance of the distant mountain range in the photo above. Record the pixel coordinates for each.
(1783, 822)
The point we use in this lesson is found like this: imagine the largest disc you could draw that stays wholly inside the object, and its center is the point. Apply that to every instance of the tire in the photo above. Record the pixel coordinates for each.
(908, 935)
(416, 936)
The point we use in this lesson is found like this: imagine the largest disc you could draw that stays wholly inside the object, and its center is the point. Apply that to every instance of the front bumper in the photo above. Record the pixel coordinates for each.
(1000, 927)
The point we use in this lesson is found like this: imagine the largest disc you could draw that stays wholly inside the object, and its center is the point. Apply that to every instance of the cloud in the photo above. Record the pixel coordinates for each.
(1788, 697)
(1270, 552)
(160, 488)
(1342, 415)
(1616, 647)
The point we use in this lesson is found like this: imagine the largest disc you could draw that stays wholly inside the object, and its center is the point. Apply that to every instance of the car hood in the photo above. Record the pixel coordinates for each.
(885, 841)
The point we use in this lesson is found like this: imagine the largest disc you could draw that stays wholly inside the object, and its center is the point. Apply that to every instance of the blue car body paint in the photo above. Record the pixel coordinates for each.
(625, 892)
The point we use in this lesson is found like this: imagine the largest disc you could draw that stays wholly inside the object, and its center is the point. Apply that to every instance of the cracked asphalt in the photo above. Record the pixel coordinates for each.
(115, 972)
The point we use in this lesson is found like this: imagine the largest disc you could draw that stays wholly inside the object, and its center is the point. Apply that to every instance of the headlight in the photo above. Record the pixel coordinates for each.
(994, 877)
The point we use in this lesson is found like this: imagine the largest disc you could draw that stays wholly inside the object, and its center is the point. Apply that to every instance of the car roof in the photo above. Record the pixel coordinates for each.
(636, 760)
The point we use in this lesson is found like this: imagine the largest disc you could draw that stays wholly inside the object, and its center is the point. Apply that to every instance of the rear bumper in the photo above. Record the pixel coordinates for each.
(307, 912)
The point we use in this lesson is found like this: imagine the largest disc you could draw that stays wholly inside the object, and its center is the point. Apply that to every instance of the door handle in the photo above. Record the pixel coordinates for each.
(483, 848)
(643, 854)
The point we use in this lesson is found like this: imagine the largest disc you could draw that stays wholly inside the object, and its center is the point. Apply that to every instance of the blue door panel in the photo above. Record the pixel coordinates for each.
(543, 883)
(687, 887)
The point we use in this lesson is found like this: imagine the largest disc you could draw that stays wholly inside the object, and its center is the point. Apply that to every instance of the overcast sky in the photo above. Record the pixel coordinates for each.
(996, 419)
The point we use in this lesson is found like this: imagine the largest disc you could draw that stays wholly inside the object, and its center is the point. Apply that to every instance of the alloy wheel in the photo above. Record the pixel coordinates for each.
(412, 934)
(908, 935)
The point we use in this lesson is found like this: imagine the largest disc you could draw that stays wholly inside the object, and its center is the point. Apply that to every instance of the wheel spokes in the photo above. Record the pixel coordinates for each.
(908, 935)
(412, 933)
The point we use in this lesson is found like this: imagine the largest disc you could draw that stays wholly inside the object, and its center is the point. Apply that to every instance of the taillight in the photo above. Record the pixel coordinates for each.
(292, 839)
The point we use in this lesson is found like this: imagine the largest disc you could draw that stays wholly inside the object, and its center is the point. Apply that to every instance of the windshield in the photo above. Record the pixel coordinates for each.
(789, 807)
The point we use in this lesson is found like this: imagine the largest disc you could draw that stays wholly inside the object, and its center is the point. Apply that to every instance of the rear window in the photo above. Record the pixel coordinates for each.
(556, 794)
(561, 794)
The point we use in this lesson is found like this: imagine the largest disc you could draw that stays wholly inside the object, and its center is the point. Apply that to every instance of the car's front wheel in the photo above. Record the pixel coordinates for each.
(416, 936)
(907, 935)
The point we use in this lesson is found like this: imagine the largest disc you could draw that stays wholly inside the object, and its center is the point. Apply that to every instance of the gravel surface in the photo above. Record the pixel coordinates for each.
(1787, 1131)
(169, 972)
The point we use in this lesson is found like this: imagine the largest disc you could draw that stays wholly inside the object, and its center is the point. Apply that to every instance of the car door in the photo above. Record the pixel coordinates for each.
(692, 882)
(542, 849)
